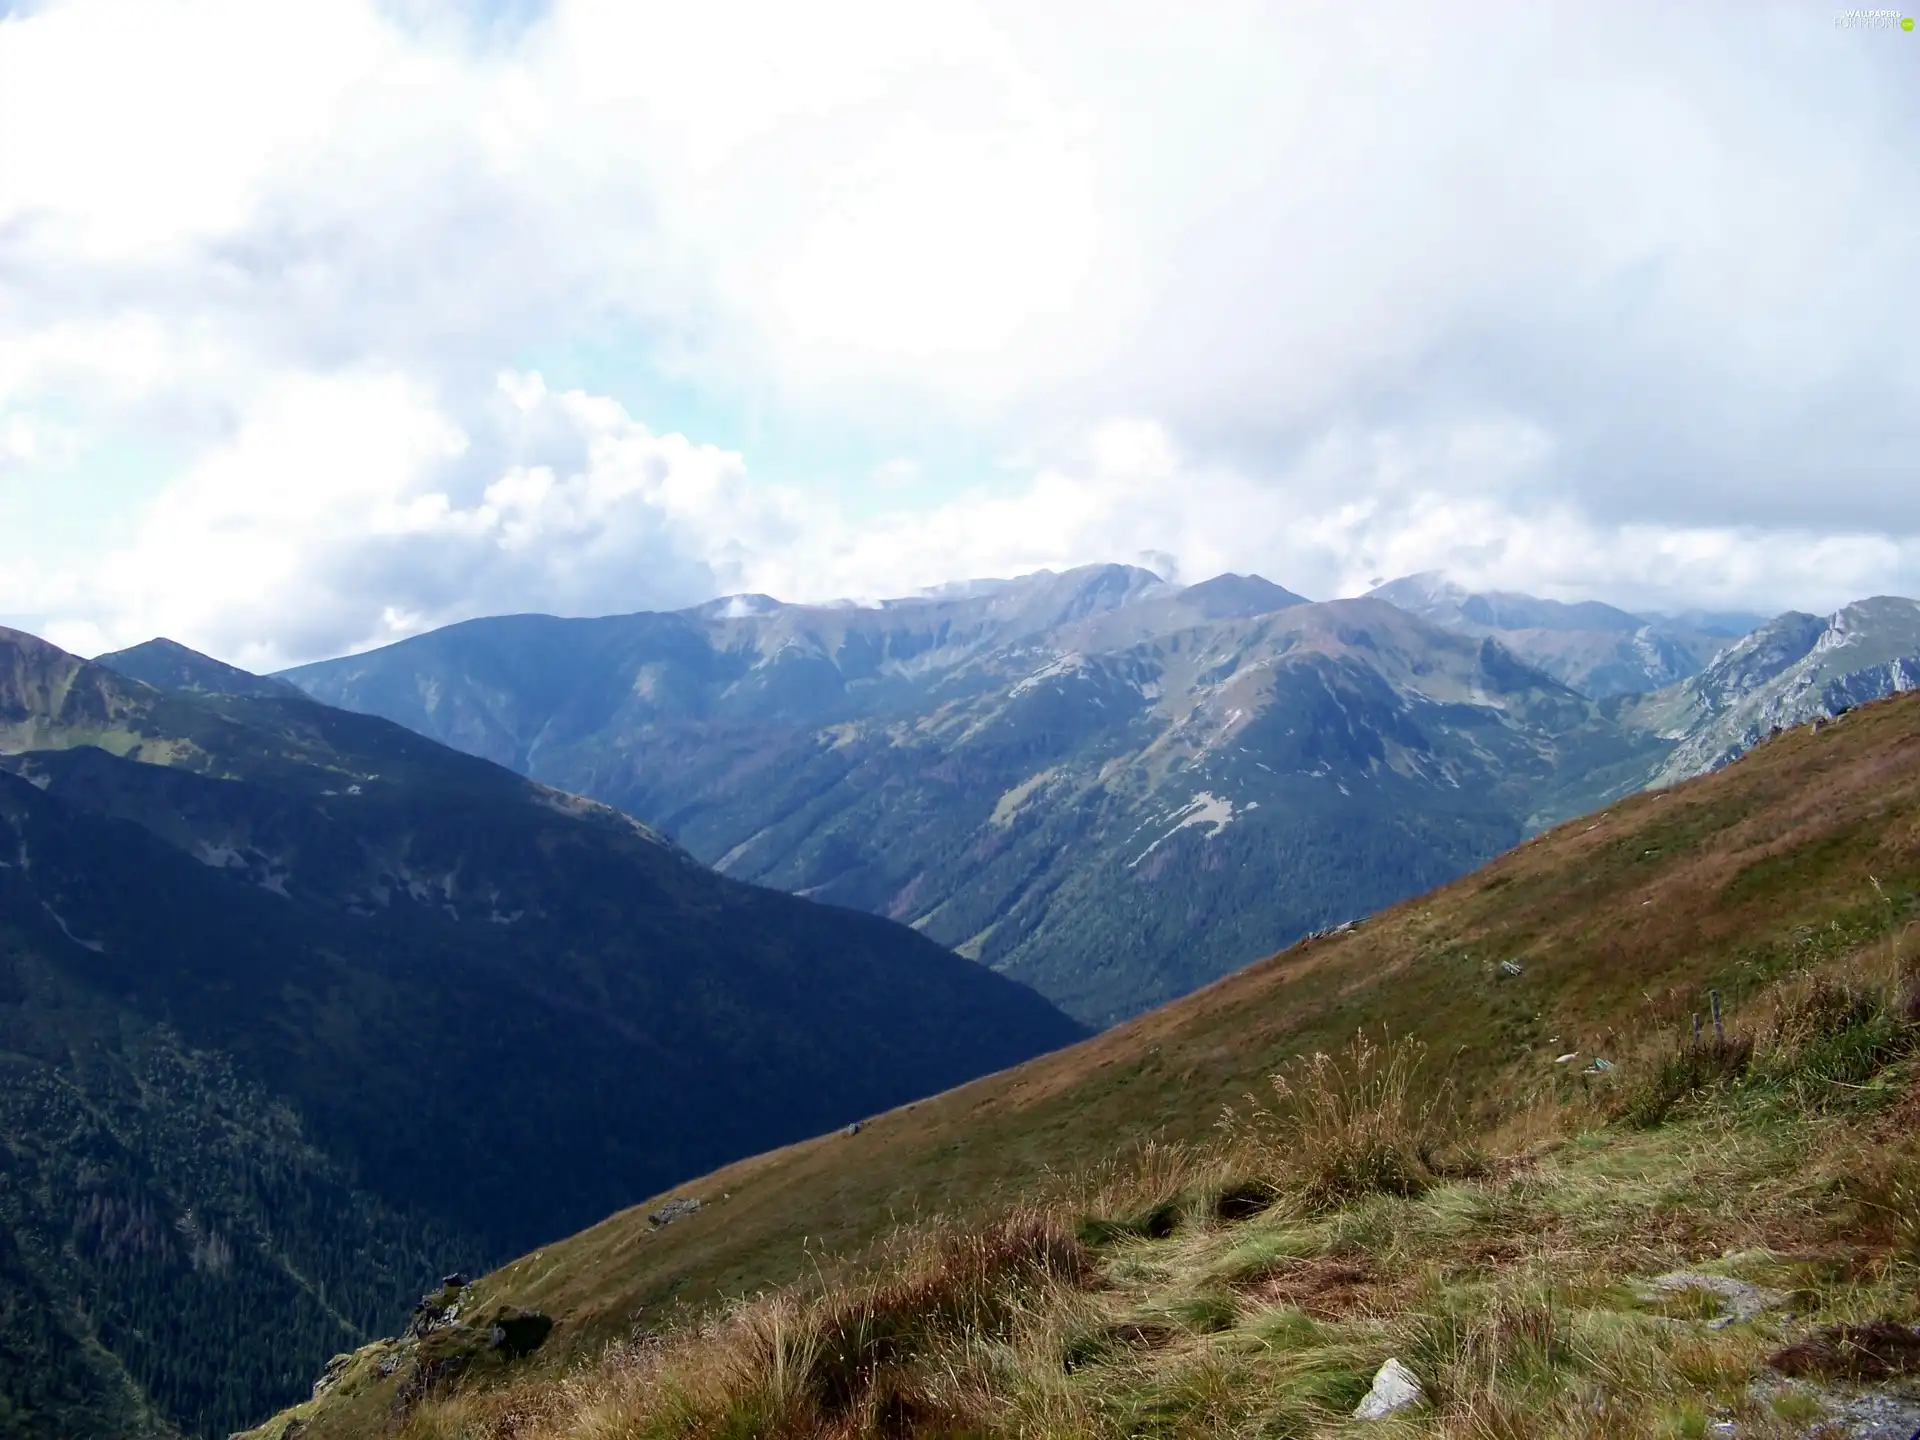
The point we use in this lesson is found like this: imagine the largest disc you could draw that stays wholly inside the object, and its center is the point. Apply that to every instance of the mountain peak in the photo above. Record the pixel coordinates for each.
(41, 684)
(23, 645)
(1232, 596)
(739, 607)
(168, 665)
(1424, 586)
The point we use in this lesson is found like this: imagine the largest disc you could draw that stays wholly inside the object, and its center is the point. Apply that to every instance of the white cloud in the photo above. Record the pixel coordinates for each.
(898, 473)
(1583, 299)
(353, 509)
(30, 442)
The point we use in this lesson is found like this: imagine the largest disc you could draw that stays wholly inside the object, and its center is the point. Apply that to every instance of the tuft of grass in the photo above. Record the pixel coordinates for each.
(1155, 1222)
(1507, 1341)
(967, 1283)
(1144, 1193)
(1682, 1074)
(1207, 1313)
(1361, 1122)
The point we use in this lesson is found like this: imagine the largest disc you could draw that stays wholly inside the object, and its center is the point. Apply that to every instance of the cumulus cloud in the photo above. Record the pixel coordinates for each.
(1587, 300)
(350, 510)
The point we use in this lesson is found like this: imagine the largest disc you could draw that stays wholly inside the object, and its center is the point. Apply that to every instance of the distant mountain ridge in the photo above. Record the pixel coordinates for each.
(1110, 786)
(299, 1008)
(1598, 649)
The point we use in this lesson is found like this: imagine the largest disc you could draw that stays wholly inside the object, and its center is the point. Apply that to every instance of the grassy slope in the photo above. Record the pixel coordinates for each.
(1619, 919)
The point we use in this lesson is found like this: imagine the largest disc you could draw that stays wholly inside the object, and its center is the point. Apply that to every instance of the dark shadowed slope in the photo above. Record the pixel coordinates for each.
(300, 1006)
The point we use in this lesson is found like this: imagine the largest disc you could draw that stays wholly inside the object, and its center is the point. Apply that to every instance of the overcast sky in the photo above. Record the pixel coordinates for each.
(323, 324)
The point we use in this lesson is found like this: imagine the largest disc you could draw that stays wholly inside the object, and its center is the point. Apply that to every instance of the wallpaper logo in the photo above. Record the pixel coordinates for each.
(1872, 20)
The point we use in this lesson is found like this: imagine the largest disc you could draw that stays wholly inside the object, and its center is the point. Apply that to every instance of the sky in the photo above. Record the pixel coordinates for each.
(324, 324)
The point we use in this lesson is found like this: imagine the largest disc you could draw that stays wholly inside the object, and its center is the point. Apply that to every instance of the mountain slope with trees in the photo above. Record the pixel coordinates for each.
(301, 1009)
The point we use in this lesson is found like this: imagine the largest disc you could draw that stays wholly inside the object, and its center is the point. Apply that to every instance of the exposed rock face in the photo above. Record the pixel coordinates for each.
(1740, 1300)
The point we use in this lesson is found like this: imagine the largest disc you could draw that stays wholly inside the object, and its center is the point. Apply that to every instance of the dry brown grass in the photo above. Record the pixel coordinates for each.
(1753, 867)
(903, 1346)
(1512, 1292)
(1364, 1120)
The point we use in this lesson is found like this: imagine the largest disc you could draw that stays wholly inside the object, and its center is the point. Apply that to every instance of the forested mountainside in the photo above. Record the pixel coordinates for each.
(301, 1009)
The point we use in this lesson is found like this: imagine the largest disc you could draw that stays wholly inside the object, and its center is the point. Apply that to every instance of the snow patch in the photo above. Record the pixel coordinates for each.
(1206, 808)
(220, 857)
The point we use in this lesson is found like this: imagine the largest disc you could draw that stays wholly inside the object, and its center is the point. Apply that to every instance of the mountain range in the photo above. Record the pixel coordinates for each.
(299, 1009)
(1111, 787)
(300, 1005)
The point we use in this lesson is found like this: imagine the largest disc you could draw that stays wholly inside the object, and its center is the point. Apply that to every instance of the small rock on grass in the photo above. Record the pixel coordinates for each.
(1394, 1389)
(673, 1210)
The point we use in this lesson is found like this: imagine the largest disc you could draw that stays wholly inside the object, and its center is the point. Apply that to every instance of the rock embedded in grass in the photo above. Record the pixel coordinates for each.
(1742, 1301)
(1395, 1388)
(673, 1210)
